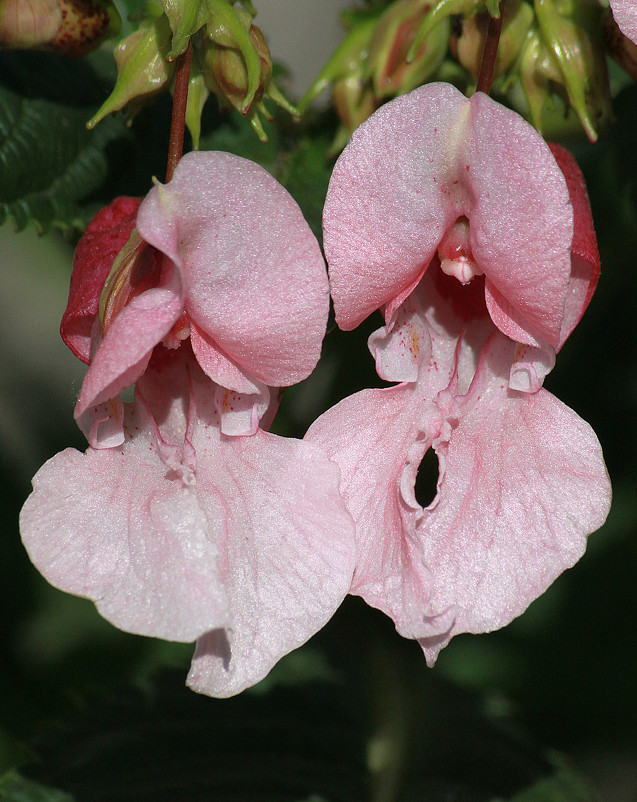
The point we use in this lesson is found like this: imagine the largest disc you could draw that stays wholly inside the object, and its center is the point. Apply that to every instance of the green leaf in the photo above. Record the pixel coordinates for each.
(49, 163)
(14, 788)
(563, 786)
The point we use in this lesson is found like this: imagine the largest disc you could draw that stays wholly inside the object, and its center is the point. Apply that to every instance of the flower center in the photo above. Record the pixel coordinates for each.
(455, 254)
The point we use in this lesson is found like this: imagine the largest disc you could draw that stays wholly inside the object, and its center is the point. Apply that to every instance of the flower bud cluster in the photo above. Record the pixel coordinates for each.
(230, 59)
(375, 61)
(550, 57)
(74, 27)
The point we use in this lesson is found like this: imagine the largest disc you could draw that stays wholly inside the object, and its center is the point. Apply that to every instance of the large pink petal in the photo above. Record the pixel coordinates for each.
(287, 556)
(625, 13)
(522, 484)
(257, 284)
(105, 236)
(418, 164)
(378, 438)
(120, 527)
(124, 352)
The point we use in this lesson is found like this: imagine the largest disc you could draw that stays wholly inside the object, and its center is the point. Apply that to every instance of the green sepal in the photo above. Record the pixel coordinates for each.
(197, 95)
(185, 17)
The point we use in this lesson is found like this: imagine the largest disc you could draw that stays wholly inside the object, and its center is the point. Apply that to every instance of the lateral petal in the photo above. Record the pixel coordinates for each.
(120, 527)
(522, 484)
(123, 354)
(287, 557)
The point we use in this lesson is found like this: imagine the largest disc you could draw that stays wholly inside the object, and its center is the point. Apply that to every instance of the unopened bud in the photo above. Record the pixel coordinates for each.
(142, 69)
(354, 102)
(387, 64)
(581, 63)
(229, 76)
(230, 73)
(444, 9)
(346, 62)
(85, 24)
(185, 18)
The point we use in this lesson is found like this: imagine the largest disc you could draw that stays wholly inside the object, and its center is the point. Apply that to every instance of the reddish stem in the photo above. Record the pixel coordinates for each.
(487, 65)
(178, 122)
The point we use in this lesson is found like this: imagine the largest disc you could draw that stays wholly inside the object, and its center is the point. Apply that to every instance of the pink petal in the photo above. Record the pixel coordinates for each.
(217, 365)
(105, 236)
(378, 438)
(257, 286)
(625, 13)
(288, 553)
(123, 354)
(120, 528)
(585, 263)
(416, 166)
(522, 484)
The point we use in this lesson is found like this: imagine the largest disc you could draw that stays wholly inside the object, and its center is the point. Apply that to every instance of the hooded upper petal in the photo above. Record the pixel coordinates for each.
(411, 171)
(256, 282)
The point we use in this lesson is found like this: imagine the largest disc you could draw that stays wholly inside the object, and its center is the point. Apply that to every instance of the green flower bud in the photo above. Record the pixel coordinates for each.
(354, 101)
(230, 71)
(581, 64)
(347, 61)
(387, 64)
(227, 74)
(185, 18)
(231, 28)
(142, 68)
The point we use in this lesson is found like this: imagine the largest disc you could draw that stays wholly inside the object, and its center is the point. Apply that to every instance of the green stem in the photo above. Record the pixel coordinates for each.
(487, 65)
(178, 122)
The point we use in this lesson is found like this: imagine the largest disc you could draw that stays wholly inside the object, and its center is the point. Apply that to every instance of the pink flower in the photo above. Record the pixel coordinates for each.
(184, 533)
(173, 527)
(522, 482)
(255, 307)
(625, 14)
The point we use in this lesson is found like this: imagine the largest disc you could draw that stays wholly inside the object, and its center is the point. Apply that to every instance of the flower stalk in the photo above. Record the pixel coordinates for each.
(487, 65)
(178, 121)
